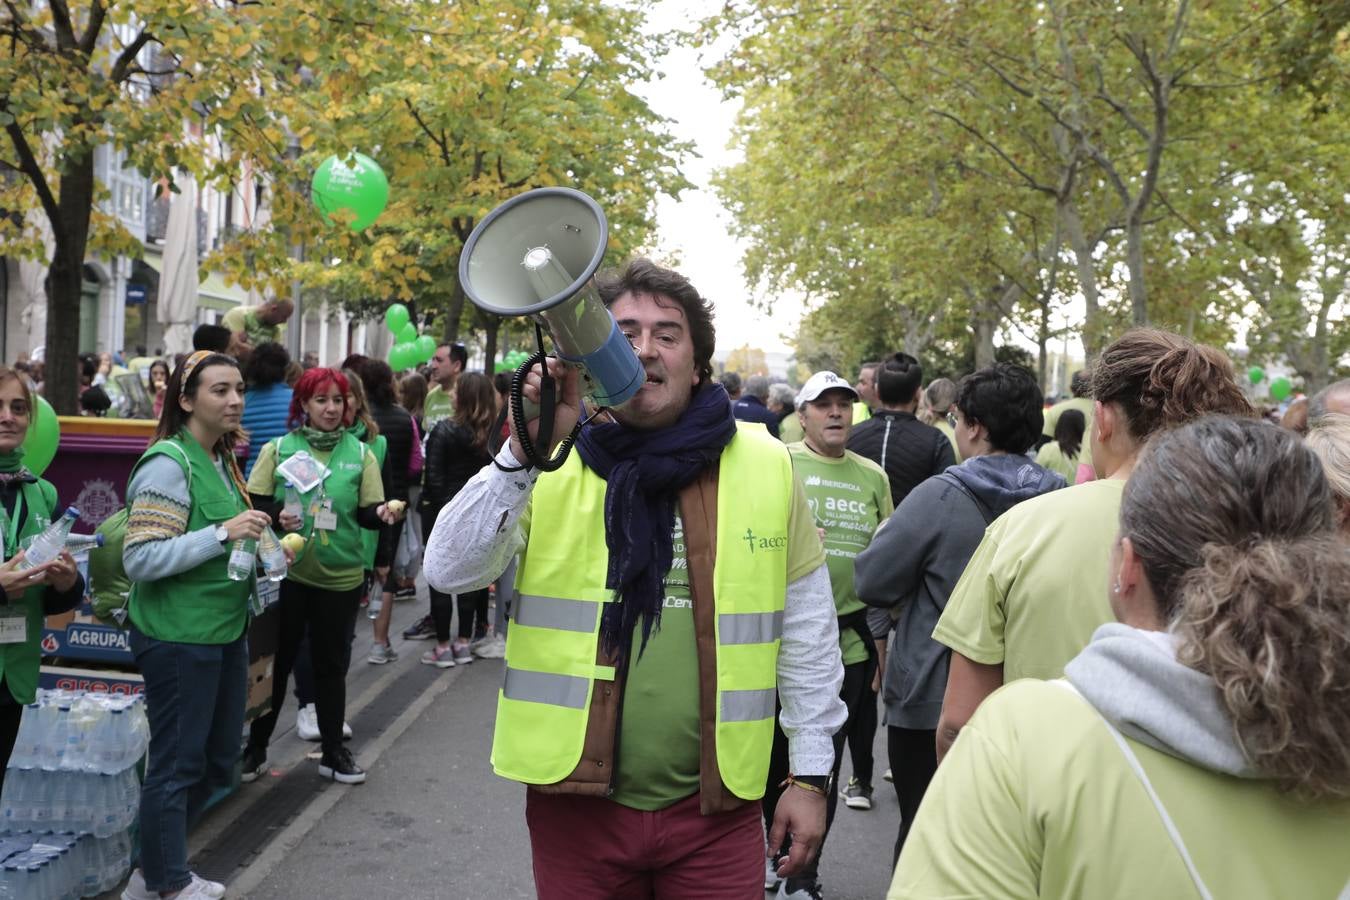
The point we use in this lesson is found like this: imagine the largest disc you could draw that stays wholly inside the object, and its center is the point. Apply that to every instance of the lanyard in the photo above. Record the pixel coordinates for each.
(12, 529)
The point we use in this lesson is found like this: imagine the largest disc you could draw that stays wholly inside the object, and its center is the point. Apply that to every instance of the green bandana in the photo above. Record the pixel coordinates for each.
(358, 431)
(12, 461)
(321, 440)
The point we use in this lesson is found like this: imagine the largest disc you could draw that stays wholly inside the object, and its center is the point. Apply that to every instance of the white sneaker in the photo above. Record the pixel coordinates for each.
(492, 648)
(199, 887)
(346, 731)
(307, 723)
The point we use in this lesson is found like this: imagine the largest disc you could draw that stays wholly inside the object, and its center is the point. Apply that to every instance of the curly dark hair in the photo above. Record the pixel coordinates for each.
(266, 365)
(1006, 400)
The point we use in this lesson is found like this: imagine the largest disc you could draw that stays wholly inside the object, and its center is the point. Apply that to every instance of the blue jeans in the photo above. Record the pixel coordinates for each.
(194, 698)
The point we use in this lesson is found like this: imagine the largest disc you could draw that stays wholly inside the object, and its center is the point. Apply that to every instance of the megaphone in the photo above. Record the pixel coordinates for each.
(535, 256)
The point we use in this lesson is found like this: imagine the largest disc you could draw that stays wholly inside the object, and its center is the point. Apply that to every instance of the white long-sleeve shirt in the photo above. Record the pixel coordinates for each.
(478, 532)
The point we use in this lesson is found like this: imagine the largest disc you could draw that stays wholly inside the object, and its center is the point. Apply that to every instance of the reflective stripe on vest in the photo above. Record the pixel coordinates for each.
(551, 647)
(555, 612)
(543, 687)
(749, 628)
(748, 706)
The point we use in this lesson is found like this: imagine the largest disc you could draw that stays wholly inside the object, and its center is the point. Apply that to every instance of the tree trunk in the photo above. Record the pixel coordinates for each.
(65, 279)
(1086, 268)
(1042, 340)
(1134, 263)
(491, 325)
(453, 310)
(983, 326)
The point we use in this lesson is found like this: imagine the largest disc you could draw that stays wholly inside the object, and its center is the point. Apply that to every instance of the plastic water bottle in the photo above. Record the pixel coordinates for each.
(48, 545)
(272, 556)
(83, 543)
(243, 559)
(294, 505)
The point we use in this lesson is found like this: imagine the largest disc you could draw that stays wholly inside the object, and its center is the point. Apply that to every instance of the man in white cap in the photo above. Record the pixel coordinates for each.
(849, 496)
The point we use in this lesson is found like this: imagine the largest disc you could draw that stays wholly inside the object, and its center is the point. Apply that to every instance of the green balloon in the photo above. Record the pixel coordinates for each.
(395, 317)
(44, 435)
(1256, 374)
(407, 334)
(502, 366)
(354, 186)
(426, 348)
(1281, 388)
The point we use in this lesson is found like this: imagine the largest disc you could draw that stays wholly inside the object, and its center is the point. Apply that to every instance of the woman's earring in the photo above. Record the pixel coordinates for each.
(1116, 587)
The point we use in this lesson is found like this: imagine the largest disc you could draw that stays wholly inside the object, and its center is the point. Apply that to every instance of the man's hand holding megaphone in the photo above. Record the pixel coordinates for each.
(567, 409)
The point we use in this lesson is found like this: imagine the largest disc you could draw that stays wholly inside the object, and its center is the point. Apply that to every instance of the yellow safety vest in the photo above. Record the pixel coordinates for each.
(543, 705)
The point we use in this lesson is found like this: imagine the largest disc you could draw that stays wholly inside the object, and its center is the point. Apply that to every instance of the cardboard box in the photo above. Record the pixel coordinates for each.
(99, 681)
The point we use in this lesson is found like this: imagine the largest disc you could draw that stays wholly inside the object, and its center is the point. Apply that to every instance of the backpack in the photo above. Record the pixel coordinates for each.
(109, 587)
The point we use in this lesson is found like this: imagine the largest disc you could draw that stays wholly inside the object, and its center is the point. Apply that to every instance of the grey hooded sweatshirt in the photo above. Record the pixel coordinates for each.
(915, 560)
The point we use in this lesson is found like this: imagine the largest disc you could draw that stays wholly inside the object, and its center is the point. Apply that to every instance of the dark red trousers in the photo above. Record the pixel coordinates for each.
(588, 848)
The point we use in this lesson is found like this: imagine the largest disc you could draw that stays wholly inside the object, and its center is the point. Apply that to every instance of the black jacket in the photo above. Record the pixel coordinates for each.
(452, 460)
(907, 449)
(752, 409)
(396, 426)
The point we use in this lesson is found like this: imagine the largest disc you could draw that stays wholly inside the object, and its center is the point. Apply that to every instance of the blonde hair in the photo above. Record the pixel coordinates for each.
(1330, 440)
(1234, 524)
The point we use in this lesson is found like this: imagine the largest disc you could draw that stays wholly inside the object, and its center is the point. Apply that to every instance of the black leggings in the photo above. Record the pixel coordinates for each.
(913, 758)
(851, 692)
(862, 732)
(329, 617)
(472, 606)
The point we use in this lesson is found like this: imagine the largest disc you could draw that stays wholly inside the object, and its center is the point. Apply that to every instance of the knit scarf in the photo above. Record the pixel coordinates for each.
(357, 430)
(321, 440)
(645, 471)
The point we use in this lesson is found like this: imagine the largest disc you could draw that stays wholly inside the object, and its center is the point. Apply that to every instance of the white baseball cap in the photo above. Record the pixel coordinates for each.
(821, 382)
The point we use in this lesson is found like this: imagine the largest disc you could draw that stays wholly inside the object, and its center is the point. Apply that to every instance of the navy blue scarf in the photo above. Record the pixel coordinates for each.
(645, 471)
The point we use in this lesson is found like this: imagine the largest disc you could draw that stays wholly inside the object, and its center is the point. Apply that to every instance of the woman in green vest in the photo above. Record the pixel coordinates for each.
(341, 495)
(186, 508)
(25, 596)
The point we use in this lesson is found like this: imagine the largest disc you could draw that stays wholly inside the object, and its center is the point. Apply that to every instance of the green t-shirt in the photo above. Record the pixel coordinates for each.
(308, 569)
(849, 498)
(1036, 800)
(1052, 457)
(245, 319)
(658, 752)
(790, 429)
(1036, 588)
(942, 425)
(1084, 406)
(440, 404)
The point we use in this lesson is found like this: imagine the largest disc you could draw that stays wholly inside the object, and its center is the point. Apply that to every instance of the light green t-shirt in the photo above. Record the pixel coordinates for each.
(1083, 405)
(245, 319)
(1052, 457)
(790, 429)
(440, 404)
(659, 728)
(849, 498)
(1036, 588)
(942, 425)
(308, 569)
(1037, 800)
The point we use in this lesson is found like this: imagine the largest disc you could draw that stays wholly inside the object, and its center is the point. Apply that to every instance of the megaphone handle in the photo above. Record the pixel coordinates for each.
(523, 412)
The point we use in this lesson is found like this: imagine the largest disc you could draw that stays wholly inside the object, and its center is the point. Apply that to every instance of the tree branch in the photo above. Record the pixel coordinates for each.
(89, 41)
(121, 68)
(28, 164)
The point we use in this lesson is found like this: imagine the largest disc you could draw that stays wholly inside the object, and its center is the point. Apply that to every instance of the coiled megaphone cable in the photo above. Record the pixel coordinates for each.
(547, 407)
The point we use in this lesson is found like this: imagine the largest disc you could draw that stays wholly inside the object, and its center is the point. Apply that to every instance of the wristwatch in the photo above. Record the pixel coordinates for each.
(222, 533)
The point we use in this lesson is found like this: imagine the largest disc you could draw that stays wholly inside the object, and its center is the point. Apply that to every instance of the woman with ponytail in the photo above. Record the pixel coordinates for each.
(186, 507)
(1200, 746)
(1030, 597)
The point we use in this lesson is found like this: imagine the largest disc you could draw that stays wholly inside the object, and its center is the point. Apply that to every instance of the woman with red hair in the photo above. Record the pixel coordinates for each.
(338, 480)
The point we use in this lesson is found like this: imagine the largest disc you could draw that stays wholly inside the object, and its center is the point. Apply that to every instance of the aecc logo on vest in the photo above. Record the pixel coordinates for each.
(756, 542)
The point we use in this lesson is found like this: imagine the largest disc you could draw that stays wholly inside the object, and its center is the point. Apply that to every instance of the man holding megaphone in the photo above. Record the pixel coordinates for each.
(672, 590)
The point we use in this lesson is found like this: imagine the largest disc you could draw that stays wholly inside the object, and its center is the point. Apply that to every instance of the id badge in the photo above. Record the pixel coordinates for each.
(325, 519)
(13, 625)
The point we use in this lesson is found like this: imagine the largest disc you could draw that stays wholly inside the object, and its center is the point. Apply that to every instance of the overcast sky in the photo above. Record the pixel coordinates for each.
(695, 226)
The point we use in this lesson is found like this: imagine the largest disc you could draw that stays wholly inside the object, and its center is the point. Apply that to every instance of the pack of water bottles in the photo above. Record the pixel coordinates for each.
(77, 731)
(40, 801)
(61, 866)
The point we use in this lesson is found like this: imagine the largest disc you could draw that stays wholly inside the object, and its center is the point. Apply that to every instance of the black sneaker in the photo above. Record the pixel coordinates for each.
(857, 795)
(801, 889)
(423, 629)
(340, 766)
(406, 593)
(252, 764)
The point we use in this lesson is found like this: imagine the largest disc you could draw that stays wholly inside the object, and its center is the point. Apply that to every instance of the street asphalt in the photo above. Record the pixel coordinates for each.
(432, 820)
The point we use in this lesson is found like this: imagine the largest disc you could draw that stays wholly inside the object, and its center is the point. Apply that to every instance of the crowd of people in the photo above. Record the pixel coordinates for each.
(1094, 628)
